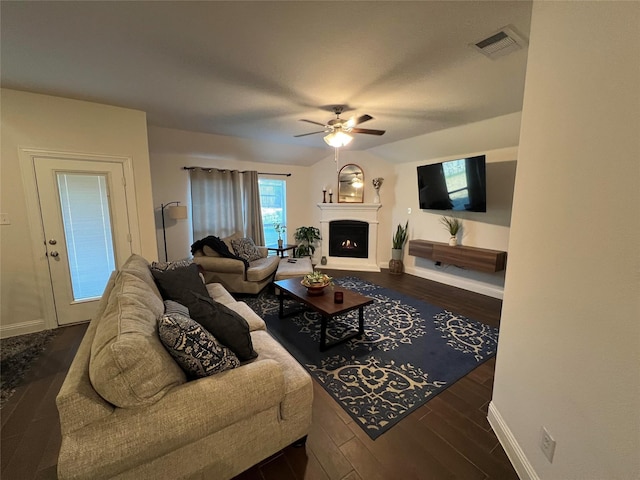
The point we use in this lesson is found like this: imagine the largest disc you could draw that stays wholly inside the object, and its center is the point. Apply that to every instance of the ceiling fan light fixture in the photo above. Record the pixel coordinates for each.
(338, 139)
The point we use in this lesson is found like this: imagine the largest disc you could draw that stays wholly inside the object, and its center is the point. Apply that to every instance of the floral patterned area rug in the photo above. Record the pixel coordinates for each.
(17, 354)
(410, 351)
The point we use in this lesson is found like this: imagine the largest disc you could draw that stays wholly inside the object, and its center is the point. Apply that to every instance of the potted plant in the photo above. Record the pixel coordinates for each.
(395, 265)
(306, 238)
(280, 229)
(453, 226)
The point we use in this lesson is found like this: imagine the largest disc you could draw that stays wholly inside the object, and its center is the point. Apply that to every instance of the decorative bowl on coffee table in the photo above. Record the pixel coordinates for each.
(316, 282)
(315, 288)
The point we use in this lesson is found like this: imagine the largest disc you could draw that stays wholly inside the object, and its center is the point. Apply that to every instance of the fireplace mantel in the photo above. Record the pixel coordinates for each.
(365, 212)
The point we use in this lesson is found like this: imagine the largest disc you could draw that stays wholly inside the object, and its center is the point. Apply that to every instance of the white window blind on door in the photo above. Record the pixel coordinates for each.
(87, 227)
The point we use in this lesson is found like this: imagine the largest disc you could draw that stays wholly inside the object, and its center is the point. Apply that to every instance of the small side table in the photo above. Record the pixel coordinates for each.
(280, 250)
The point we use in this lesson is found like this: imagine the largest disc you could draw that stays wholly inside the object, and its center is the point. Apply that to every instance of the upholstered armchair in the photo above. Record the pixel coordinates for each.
(235, 274)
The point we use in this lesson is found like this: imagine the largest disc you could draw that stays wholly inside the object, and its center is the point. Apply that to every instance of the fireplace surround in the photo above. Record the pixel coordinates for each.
(357, 216)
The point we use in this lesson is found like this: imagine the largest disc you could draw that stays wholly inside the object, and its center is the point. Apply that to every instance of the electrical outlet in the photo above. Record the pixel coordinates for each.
(547, 445)
(4, 219)
(409, 211)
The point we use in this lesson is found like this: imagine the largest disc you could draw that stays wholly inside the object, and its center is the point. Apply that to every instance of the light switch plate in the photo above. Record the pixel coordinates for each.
(4, 219)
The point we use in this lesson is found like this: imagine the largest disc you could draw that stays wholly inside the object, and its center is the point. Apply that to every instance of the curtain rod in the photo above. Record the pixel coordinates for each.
(228, 170)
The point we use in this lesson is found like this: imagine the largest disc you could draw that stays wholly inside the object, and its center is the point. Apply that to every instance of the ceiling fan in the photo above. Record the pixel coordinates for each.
(339, 129)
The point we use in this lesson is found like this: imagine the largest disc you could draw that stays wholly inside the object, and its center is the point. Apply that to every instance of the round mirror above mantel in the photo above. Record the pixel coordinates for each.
(351, 184)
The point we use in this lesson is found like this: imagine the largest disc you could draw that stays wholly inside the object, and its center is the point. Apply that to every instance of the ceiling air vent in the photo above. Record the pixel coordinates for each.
(500, 43)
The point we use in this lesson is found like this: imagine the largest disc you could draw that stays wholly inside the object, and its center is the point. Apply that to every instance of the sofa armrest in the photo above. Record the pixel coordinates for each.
(263, 251)
(220, 264)
(224, 398)
(186, 414)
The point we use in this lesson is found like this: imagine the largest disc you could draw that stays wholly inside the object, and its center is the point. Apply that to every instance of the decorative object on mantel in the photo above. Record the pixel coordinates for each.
(324, 194)
(330, 196)
(351, 184)
(316, 282)
(377, 183)
(396, 266)
(453, 226)
(280, 229)
(307, 237)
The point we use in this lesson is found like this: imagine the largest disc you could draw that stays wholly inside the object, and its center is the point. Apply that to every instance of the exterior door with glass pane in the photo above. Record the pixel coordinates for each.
(84, 216)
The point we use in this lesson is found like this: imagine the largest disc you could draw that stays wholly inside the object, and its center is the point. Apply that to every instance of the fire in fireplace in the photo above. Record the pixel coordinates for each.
(348, 238)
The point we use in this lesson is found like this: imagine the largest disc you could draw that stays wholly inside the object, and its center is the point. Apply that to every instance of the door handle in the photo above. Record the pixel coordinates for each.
(54, 254)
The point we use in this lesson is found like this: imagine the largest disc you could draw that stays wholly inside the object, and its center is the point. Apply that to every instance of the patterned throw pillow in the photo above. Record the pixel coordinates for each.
(195, 349)
(245, 248)
(164, 266)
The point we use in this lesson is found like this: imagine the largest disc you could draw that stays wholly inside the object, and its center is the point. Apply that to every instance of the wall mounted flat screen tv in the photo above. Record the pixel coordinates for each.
(459, 185)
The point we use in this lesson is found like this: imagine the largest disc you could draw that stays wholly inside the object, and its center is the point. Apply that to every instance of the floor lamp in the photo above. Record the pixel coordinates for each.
(176, 212)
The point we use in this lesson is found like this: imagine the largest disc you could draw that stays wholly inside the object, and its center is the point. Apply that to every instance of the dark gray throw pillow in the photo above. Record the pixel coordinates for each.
(226, 325)
(177, 285)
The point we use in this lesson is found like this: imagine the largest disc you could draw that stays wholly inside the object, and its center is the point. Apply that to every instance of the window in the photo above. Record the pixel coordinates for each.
(273, 199)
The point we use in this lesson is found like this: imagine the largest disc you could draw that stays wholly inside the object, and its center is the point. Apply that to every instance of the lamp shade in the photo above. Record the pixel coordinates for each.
(338, 139)
(177, 212)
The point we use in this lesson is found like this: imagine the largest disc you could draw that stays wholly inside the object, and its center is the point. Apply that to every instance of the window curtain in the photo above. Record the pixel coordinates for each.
(224, 202)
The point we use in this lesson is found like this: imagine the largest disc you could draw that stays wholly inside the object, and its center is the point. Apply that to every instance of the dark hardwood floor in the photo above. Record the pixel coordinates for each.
(447, 438)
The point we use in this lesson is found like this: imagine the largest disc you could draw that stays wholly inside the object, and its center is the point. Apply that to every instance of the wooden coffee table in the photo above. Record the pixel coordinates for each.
(325, 306)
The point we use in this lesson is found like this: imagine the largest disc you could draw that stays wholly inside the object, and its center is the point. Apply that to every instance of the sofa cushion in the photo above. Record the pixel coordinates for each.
(129, 366)
(263, 267)
(252, 318)
(246, 248)
(139, 267)
(219, 293)
(194, 348)
(227, 326)
(209, 252)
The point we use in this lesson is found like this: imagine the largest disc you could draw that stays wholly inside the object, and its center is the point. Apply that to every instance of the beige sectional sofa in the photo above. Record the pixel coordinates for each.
(127, 410)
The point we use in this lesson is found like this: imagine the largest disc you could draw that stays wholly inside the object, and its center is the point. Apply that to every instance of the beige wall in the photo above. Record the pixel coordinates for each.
(569, 351)
(498, 138)
(57, 124)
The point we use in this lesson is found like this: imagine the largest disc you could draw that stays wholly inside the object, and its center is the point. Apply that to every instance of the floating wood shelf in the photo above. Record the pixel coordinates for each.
(481, 259)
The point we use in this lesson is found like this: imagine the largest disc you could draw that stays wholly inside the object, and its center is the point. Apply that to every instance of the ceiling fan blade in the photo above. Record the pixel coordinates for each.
(305, 134)
(353, 121)
(367, 131)
(311, 121)
(362, 119)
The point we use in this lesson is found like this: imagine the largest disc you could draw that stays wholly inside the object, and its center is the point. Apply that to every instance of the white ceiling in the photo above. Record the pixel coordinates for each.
(254, 69)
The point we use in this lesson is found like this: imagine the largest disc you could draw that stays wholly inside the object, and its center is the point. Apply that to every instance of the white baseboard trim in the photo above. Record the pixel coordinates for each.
(518, 459)
(464, 283)
(22, 328)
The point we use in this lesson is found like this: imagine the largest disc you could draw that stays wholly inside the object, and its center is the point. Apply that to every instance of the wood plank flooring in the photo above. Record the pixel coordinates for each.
(447, 438)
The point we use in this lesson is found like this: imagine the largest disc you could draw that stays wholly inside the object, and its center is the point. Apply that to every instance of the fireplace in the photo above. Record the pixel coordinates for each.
(349, 238)
(357, 249)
